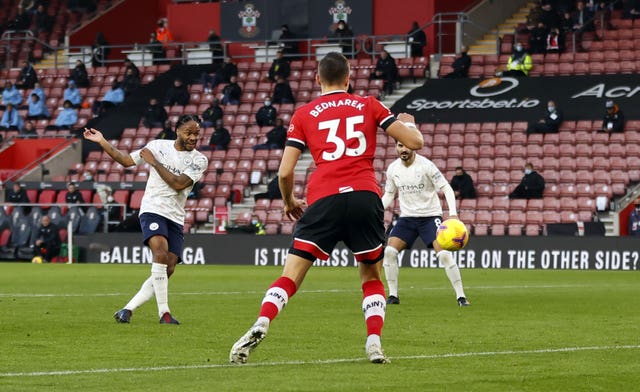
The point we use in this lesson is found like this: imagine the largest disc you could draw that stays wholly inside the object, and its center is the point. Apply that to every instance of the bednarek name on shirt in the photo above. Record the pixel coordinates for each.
(319, 108)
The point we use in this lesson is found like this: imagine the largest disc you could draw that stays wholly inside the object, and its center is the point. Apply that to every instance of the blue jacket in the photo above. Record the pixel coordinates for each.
(39, 92)
(38, 108)
(116, 96)
(73, 95)
(67, 117)
(634, 223)
(11, 118)
(12, 96)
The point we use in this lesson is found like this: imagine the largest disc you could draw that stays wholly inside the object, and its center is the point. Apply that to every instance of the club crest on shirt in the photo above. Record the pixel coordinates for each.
(291, 128)
(187, 161)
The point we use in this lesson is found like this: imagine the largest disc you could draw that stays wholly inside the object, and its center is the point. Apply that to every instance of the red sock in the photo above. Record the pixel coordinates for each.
(277, 297)
(373, 306)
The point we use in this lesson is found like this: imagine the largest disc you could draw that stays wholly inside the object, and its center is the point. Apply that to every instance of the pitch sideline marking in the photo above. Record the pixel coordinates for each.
(318, 362)
(321, 291)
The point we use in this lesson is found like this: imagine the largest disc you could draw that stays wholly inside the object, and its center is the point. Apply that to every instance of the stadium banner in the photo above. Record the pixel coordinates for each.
(520, 99)
(553, 253)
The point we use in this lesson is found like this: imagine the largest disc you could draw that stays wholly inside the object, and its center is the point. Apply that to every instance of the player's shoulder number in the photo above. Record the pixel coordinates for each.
(340, 145)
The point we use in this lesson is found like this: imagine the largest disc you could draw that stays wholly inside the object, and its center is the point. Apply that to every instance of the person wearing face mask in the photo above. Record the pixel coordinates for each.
(344, 36)
(267, 114)
(613, 118)
(519, 63)
(550, 123)
(634, 220)
(531, 186)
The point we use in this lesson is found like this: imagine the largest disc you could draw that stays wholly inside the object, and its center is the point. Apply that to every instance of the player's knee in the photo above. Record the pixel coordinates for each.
(161, 257)
(390, 255)
(446, 258)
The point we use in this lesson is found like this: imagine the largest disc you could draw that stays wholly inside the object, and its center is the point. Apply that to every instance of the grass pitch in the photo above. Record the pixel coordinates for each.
(525, 331)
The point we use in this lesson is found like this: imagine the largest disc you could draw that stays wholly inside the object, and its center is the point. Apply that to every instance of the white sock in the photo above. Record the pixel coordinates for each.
(373, 339)
(160, 287)
(452, 270)
(391, 269)
(143, 295)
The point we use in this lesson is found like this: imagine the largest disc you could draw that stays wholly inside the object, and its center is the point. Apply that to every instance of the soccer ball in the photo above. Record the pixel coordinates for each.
(37, 260)
(452, 235)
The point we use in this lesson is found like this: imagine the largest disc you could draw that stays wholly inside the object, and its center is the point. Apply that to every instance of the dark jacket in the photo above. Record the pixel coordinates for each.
(462, 64)
(464, 185)
(177, 95)
(225, 72)
(154, 115)
(74, 197)
(282, 93)
(279, 67)
(388, 68)
(232, 93)
(531, 187)
(17, 197)
(220, 138)
(27, 78)
(266, 115)
(277, 136)
(212, 114)
(80, 76)
(616, 119)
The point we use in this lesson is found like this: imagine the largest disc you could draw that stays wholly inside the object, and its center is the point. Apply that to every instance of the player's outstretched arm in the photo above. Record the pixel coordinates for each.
(293, 207)
(408, 135)
(121, 157)
(174, 181)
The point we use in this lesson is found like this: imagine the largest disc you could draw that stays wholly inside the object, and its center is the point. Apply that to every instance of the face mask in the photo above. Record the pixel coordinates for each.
(527, 171)
(254, 221)
(109, 199)
(551, 108)
(518, 48)
(267, 103)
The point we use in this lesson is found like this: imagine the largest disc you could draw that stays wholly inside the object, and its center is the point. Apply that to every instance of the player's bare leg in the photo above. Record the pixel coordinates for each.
(453, 273)
(391, 268)
(275, 299)
(374, 307)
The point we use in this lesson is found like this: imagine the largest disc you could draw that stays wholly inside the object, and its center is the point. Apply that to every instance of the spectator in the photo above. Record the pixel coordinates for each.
(79, 74)
(67, 118)
(550, 123)
(22, 21)
(37, 108)
(276, 138)
(113, 97)
(554, 41)
(613, 118)
(158, 53)
(39, 91)
(73, 195)
(178, 94)
(232, 92)
(417, 39)
(279, 67)
(273, 191)
(386, 70)
(164, 35)
(47, 242)
(285, 41)
(215, 45)
(282, 91)
(267, 114)
(549, 17)
(220, 138)
(44, 22)
(130, 64)
(538, 38)
(131, 81)
(582, 21)
(344, 36)
(461, 64)
(17, 194)
(212, 114)
(167, 132)
(10, 95)
(223, 75)
(519, 63)
(531, 186)
(29, 130)
(27, 77)
(11, 120)
(634, 220)
(100, 51)
(462, 184)
(72, 94)
(154, 115)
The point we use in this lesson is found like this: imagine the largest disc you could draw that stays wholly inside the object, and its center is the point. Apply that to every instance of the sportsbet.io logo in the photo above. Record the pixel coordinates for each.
(492, 87)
